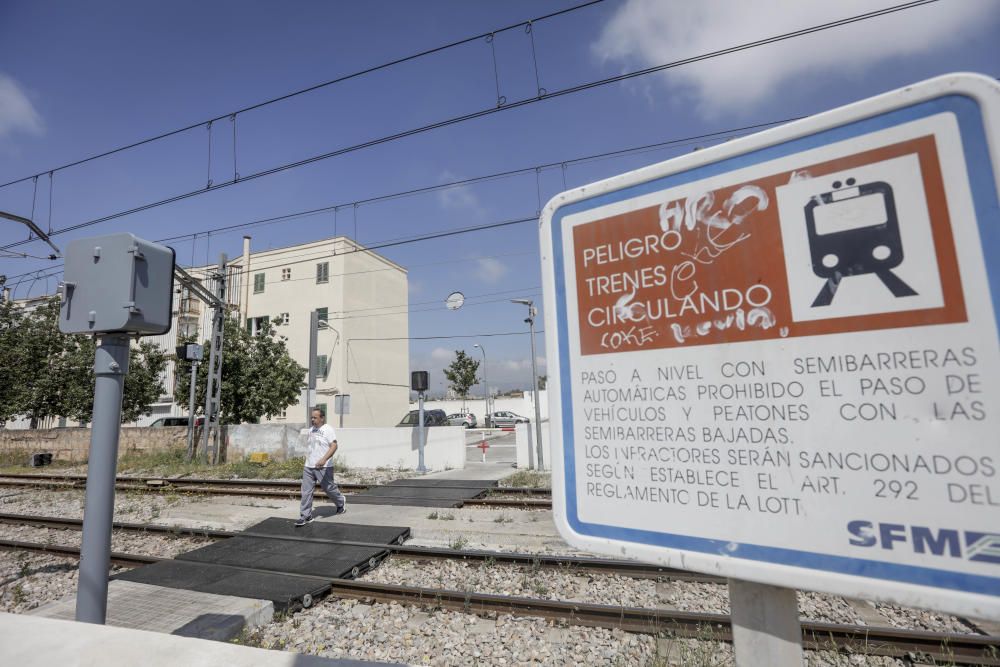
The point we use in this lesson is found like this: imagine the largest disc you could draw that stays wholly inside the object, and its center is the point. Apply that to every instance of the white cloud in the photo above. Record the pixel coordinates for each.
(17, 114)
(441, 354)
(491, 270)
(460, 198)
(652, 32)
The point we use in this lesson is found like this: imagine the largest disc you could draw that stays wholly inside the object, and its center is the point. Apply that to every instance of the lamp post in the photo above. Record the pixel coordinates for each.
(532, 312)
(486, 383)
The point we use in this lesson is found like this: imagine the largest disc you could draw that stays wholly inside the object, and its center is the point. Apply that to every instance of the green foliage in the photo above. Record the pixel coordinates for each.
(259, 377)
(461, 374)
(45, 373)
(11, 358)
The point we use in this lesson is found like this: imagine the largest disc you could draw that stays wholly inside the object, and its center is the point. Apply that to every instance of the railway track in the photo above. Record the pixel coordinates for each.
(949, 648)
(576, 563)
(255, 488)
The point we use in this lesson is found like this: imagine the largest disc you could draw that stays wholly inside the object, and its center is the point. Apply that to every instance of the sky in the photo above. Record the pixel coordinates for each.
(80, 79)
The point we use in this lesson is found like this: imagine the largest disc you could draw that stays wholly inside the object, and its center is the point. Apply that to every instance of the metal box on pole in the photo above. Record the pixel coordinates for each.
(117, 284)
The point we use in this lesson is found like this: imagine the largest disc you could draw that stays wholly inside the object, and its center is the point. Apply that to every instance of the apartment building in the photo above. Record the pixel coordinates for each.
(361, 299)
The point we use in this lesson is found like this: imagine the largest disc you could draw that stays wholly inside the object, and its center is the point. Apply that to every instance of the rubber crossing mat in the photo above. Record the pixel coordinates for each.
(285, 591)
(274, 560)
(424, 492)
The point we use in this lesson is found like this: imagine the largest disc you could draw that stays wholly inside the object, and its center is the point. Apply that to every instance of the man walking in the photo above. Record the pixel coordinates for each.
(319, 467)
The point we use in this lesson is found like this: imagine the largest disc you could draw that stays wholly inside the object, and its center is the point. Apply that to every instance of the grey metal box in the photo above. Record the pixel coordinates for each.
(117, 283)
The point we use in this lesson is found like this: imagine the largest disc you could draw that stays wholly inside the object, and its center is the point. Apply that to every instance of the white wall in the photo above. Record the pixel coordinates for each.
(524, 435)
(357, 447)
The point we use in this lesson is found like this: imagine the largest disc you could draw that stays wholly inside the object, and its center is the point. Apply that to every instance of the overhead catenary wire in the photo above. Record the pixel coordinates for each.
(488, 111)
(727, 133)
(303, 91)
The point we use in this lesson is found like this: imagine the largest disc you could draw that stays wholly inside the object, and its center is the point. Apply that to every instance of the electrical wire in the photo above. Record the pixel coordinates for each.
(728, 133)
(303, 91)
(489, 111)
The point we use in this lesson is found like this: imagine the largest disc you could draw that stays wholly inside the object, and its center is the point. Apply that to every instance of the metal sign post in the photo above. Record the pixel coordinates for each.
(115, 286)
(110, 368)
(777, 360)
(342, 406)
(419, 382)
(193, 353)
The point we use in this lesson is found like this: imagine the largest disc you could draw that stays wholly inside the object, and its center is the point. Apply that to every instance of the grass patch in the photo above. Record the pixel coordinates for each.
(171, 463)
(458, 543)
(529, 478)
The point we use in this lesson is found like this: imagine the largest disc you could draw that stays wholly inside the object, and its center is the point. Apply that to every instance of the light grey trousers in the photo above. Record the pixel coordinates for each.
(324, 477)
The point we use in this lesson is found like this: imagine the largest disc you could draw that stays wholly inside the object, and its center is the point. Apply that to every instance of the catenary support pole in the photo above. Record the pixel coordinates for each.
(213, 390)
(110, 368)
(766, 628)
(191, 418)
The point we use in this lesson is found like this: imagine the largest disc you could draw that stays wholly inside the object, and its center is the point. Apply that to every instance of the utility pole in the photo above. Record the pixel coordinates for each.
(196, 289)
(313, 351)
(532, 312)
(486, 383)
(213, 391)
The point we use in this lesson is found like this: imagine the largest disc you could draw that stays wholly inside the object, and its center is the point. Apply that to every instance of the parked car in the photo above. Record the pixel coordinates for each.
(176, 421)
(505, 418)
(431, 418)
(466, 419)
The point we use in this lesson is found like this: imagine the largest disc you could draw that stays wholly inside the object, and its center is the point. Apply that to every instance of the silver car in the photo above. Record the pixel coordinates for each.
(505, 419)
(466, 419)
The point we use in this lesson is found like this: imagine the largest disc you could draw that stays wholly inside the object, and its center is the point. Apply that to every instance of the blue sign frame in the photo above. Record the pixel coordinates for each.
(982, 181)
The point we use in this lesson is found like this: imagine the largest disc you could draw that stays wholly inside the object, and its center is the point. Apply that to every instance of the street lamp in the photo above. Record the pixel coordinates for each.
(486, 383)
(532, 312)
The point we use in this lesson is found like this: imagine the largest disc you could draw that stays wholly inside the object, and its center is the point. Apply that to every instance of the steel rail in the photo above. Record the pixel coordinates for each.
(953, 648)
(291, 490)
(499, 490)
(630, 569)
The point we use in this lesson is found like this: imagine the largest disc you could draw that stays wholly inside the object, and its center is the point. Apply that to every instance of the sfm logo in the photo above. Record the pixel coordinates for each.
(968, 544)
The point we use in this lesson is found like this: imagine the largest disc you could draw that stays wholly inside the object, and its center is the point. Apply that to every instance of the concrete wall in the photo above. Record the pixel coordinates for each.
(524, 435)
(357, 447)
(73, 444)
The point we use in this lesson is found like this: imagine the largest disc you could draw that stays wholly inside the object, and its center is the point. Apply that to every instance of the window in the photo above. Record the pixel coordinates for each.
(322, 365)
(283, 319)
(283, 414)
(258, 283)
(286, 273)
(323, 272)
(321, 406)
(322, 314)
(187, 329)
(255, 324)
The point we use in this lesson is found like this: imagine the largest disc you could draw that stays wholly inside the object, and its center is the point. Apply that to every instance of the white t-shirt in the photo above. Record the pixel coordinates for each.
(319, 442)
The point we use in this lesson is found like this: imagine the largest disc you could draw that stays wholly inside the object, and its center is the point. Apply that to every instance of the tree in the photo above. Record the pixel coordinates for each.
(54, 372)
(143, 383)
(42, 367)
(461, 374)
(12, 378)
(259, 377)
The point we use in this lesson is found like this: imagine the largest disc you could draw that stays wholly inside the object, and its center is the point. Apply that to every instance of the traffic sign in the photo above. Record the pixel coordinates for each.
(777, 359)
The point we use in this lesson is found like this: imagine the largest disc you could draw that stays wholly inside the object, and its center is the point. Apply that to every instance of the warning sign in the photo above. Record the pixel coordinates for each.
(777, 359)
(767, 258)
